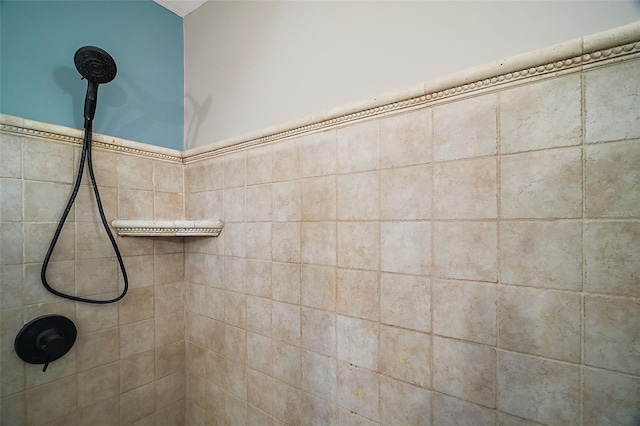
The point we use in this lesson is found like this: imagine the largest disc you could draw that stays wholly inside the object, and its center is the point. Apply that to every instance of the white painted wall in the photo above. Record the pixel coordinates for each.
(251, 65)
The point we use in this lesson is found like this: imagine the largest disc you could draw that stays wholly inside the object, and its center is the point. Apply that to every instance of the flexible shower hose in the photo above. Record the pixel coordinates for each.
(86, 156)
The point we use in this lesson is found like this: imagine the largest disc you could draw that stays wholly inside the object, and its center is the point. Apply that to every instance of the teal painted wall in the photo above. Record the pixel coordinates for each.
(144, 103)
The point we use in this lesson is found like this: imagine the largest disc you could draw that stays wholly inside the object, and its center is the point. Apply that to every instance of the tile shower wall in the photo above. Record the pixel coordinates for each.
(127, 366)
(471, 262)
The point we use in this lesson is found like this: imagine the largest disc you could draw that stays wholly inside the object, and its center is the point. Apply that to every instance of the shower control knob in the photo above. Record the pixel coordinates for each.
(45, 339)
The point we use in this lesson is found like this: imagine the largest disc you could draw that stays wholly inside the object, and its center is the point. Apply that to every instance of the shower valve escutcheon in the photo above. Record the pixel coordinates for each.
(45, 339)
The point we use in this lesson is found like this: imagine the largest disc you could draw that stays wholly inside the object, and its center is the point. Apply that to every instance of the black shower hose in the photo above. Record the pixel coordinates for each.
(86, 156)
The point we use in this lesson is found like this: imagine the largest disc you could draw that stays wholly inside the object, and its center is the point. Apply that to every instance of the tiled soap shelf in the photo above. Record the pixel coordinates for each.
(168, 228)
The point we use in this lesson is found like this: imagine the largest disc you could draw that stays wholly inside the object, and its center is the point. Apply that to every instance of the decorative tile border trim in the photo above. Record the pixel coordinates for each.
(32, 128)
(567, 57)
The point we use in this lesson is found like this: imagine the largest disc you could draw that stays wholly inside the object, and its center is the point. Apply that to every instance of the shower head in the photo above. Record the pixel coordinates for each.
(95, 64)
(98, 67)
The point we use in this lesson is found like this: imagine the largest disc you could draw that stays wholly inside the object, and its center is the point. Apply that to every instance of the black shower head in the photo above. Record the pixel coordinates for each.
(95, 64)
(98, 67)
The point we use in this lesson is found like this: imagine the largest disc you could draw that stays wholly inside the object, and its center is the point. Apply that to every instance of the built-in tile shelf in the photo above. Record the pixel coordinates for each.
(168, 228)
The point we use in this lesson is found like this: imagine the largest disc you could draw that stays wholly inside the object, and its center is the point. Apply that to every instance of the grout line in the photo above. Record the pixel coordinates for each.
(498, 248)
(583, 113)
(432, 267)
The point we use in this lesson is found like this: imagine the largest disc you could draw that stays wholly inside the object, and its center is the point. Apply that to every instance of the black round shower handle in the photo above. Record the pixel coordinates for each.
(51, 342)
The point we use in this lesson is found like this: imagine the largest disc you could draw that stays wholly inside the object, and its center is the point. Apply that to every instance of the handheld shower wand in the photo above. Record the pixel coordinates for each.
(97, 67)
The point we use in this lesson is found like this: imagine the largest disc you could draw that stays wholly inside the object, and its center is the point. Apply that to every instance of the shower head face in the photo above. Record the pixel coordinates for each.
(95, 64)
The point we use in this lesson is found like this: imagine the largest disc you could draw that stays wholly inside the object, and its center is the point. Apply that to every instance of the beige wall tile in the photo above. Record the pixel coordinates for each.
(45, 201)
(610, 101)
(213, 173)
(286, 403)
(609, 398)
(99, 384)
(169, 329)
(285, 161)
(286, 201)
(612, 181)
(105, 167)
(11, 155)
(235, 275)
(37, 238)
(405, 193)
(319, 198)
(465, 310)
(465, 250)
(405, 355)
(235, 239)
(11, 285)
(465, 190)
(234, 204)
(96, 276)
(318, 411)
(140, 270)
(137, 305)
(12, 373)
(168, 268)
(465, 128)
(169, 359)
(286, 282)
(540, 322)
(319, 331)
(195, 178)
(12, 410)
(258, 240)
(11, 200)
(60, 276)
(318, 287)
(259, 352)
(612, 328)
(168, 177)
(168, 205)
(286, 363)
(92, 241)
(357, 147)
(259, 165)
(358, 196)
(106, 412)
(347, 418)
(97, 349)
(259, 390)
(51, 401)
(171, 415)
(357, 342)
(86, 209)
(259, 315)
(285, 241)
(259, 278)
(465, 370)
(405, 301)
(319, 375)
(43, 160)
(137, 370)
(542, 115)
(359, 245)
(319, 154)
(318, 243)
(259, 203)
(401, 403)
(236, 373)
(406, 139)
(214, 335)
(612, 257)
(538, 389)
(196, 359)
(405, 247)
(236, 410)
(357, 294)
(552, 254)
(546, 184)
(216, 369)
(135, 204)
(509, 420)
(235, 344)
(136, 338)
(137, 403)
(449, 411)
(235, 312)
(235, 169)
(285, 322)
(358, 390)
(135, 172)
(13, 238)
